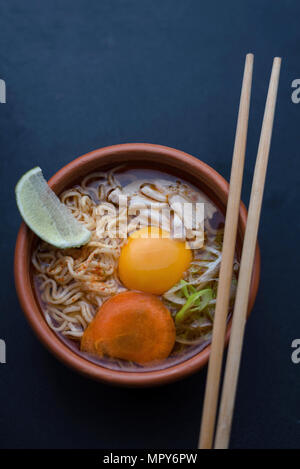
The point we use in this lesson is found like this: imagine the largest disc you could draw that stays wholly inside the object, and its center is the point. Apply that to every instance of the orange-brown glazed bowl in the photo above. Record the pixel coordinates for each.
(174, 161)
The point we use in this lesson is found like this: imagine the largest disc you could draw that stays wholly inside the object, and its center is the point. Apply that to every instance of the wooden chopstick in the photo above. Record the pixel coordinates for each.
(245, 274)
(225, 278)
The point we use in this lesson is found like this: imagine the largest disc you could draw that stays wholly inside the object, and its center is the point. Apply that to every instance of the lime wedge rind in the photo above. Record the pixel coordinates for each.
(43, 212)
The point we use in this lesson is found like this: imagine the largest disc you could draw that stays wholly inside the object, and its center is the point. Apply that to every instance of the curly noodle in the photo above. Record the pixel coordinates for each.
(74, 282)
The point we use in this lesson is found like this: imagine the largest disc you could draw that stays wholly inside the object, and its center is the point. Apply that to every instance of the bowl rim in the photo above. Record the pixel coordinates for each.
(101, 157)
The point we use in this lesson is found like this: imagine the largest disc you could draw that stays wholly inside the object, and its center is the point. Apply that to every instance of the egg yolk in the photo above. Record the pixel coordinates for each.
(152, 262)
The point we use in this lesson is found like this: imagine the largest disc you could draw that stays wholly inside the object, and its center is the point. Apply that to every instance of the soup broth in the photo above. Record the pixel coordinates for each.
(73, 284)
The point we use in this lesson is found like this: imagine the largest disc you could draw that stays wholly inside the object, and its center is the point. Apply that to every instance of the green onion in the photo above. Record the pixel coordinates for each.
(184, 288)
(196, 301)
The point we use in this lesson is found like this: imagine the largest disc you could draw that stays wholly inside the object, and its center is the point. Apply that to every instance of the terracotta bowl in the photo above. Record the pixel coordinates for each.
(174, 161)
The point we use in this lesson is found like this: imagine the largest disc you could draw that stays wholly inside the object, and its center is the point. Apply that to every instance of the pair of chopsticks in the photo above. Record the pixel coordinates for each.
(244, 281)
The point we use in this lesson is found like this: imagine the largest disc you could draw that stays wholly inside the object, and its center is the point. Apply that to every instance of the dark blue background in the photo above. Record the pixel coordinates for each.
(85, 74)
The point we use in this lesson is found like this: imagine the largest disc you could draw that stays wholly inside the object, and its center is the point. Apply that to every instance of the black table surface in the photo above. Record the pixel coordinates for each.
(82, 75)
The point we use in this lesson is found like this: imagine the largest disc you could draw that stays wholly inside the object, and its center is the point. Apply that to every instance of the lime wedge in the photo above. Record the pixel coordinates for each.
(43, 212)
